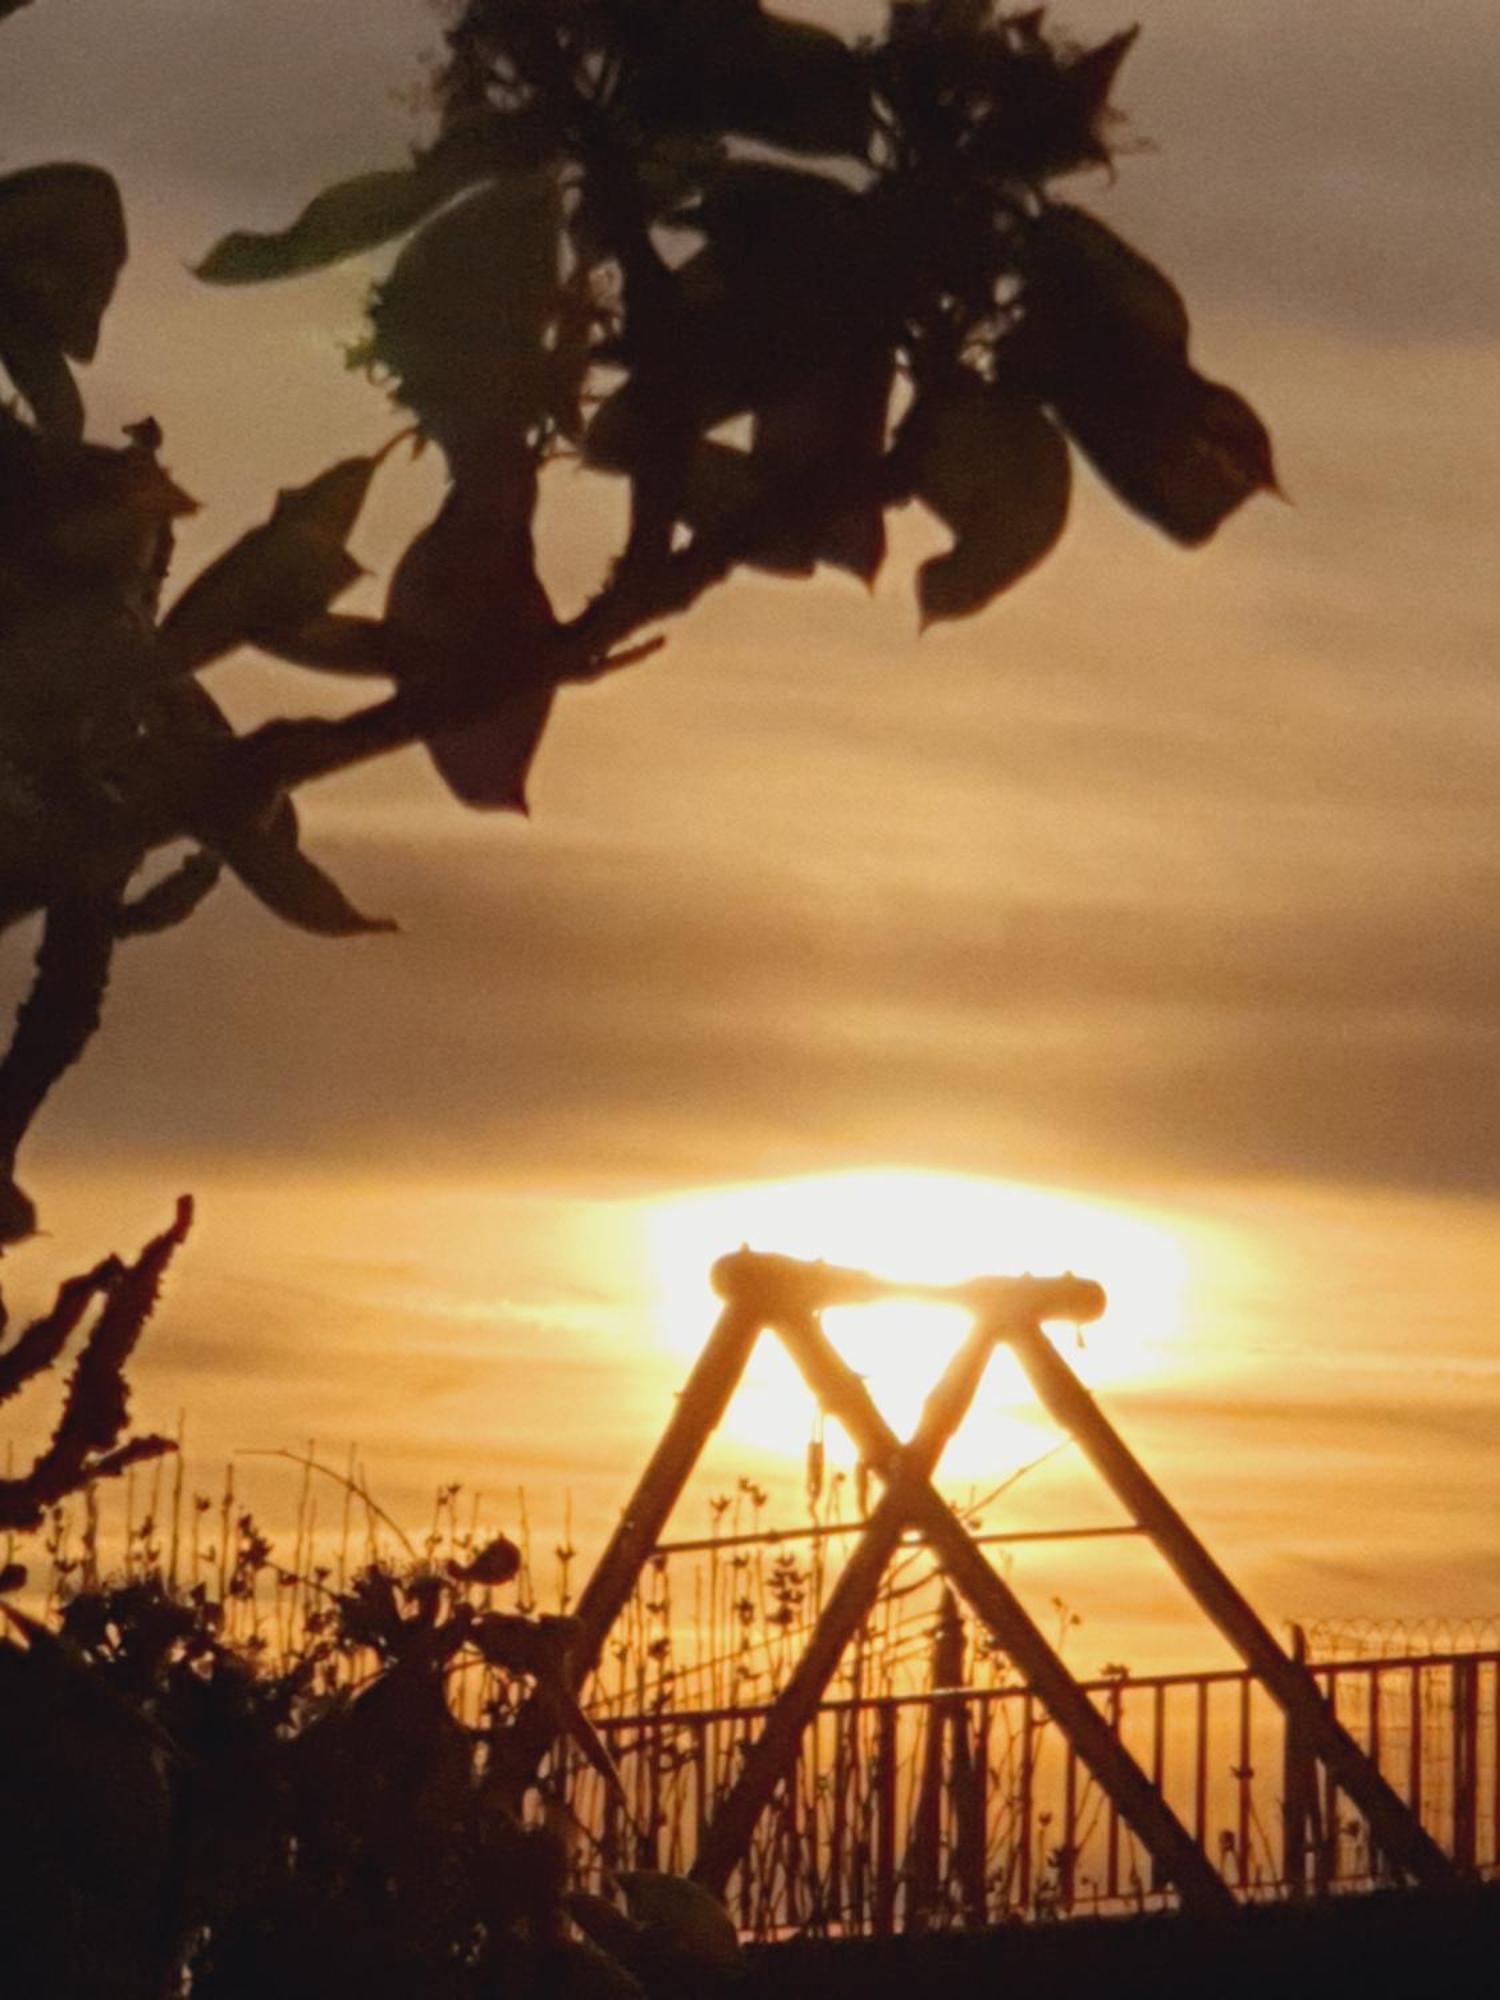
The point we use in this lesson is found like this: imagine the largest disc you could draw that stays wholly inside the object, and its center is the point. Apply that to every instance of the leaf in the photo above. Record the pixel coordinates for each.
(487, 762)
(499, 1561)
(993, 467)
(1181, 450)
(1089, 79)
(798, 249)
(726, 64)
(62, 245)
(37, 368)
(466, 621)
(172, 900)
(1094, 298)
(697, 1922)
(461, 320)
(273, 582)
(334, 642)
(1106, 339)
(17, 1213)
(1034, 114)
(101, 516)
(355, 215)
(267, 857)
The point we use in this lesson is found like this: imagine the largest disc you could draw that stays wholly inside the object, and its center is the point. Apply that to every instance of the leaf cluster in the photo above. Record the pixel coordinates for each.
(199, 1823)
(777, 283)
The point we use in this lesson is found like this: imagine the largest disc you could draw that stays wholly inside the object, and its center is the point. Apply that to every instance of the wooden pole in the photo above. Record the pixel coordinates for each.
(774, 1751)
(1397, 1831)
(699, 1411)
(842, 1393)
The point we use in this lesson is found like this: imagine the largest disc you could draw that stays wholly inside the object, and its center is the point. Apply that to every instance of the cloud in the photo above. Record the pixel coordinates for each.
(659, 1013)
(1327, 165)
(1165, 865)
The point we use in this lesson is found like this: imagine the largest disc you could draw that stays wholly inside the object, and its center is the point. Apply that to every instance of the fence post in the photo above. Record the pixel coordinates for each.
(885, 1821)
(1465, 1762)
(1298, 1787)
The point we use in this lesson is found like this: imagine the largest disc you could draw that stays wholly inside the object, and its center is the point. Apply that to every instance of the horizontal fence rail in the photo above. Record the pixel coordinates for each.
(965, 1807)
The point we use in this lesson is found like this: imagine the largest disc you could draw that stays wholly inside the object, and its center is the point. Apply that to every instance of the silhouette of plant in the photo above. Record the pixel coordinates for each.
(199, 1819)
(638, 221)
(88, 1442)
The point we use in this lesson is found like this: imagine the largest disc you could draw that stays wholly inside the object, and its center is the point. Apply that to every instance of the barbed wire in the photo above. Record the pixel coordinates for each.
(1331, 1639)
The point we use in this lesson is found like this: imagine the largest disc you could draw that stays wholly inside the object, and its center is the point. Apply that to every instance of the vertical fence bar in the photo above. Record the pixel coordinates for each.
(1200, 1768)
(885, 1822)
(972, 1814)
(1244, 1772)
(836, 1898)
(1112, 1825)
(1158, 1760)
(1465, 1686)
(1028, 1782)
(1414, 1745)
(702, 1783)
(1068, 1853)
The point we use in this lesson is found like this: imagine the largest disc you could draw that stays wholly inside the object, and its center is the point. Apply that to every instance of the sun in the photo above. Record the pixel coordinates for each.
(932, 1227)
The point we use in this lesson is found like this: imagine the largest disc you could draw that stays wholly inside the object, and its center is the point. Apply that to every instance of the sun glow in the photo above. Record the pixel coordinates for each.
(930, 1227)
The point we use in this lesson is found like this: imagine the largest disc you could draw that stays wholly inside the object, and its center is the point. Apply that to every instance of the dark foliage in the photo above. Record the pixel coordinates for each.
(192, 1816)
(88, 1442)
(637, 221)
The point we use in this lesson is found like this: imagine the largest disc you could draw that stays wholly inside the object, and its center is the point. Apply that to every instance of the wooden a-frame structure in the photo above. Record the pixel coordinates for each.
(762, 1292)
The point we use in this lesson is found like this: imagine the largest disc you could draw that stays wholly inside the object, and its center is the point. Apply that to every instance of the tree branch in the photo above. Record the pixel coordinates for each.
(54, 1026)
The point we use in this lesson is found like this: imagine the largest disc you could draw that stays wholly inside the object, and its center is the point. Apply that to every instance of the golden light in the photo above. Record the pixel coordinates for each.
(933, 1227)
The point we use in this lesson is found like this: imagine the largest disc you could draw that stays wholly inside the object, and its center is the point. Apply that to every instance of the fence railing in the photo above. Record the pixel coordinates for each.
(965, 1807)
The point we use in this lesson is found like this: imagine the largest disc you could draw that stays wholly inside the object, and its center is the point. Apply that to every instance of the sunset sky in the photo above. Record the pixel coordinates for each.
(1168, 886)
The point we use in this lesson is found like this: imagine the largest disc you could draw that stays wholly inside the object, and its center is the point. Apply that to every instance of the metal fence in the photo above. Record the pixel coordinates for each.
(966, 1807)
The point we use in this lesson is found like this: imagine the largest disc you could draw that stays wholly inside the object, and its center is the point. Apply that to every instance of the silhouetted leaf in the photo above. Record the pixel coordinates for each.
(727, 64)
(499, 1561)
(465, 617)
(1095, 298)
(36, 366)
(273, 582)
(355, 215)
(807, 493)
(995, 469)
(334, 642)
(1089, 78)
(172, 900)
(1032, 114)
(62, 243)
(460, 322)
(95, 516)
(1181, 450)
(487, 762)
(267, 857)
(17, 1213)
(1106, 339)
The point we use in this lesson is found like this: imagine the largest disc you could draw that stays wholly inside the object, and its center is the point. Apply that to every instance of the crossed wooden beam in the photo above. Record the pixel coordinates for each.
(787, 1296)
